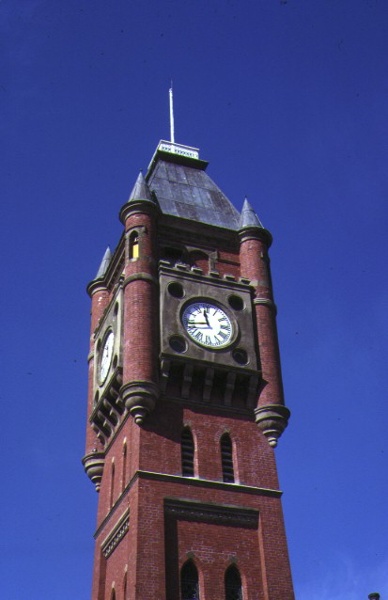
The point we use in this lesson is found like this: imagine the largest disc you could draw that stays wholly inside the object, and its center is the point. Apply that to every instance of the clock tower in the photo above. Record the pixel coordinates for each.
(185, 401)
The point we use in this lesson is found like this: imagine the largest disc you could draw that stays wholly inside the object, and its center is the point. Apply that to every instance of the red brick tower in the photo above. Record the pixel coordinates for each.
(185, 397)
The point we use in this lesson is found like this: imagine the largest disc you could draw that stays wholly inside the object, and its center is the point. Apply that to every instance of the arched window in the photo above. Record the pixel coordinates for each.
(134, 245)
(227, 459)
(124, 472)
(187, 453)
(125, 585)
(233, 588)
(189, 582)
(112, 482)
(113, 595)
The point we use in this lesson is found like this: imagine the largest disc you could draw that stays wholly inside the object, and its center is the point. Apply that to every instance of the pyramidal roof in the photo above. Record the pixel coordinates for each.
(182, 188)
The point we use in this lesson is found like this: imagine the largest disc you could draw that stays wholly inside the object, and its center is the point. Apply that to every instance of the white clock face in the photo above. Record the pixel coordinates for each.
(106, 356)
(207, 324)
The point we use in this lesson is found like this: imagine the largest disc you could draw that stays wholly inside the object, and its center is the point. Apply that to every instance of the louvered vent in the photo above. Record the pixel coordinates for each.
(227, 459)
(187, 448)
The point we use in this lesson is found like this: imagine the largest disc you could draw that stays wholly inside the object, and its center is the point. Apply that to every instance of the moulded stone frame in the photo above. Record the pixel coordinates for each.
(199, 287)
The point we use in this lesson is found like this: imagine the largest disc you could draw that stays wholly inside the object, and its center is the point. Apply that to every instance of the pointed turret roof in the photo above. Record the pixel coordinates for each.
(141, 195)
(104, 264)
(140, 190)
(249, 217)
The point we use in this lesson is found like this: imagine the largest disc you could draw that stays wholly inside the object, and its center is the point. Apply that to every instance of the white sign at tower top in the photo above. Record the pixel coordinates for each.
(180, 149)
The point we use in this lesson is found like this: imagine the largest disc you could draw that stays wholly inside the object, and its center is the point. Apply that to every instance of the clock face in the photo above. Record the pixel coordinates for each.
(106, 356)
(207, 324)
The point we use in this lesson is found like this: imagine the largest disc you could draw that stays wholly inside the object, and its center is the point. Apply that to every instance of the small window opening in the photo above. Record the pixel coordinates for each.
(112, 483)
(134, 245)
(124, 473)
(233, 588)
(189, 582)
(125, 585)
(227, 459)
(187, 452)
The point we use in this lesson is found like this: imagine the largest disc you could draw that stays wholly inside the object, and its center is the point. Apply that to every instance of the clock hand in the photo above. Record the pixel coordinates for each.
(198, 324)
(206, 317)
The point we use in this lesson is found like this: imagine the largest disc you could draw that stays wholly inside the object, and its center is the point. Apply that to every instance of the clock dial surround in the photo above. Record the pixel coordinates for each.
(106, 356)
(207, 324)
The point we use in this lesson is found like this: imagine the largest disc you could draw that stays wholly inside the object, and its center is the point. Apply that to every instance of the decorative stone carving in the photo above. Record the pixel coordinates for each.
(94, 466)
(139, 398)
(116, 535)
(272, 419)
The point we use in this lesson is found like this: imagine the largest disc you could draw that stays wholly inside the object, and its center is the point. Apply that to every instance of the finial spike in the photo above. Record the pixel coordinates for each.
(172, 133)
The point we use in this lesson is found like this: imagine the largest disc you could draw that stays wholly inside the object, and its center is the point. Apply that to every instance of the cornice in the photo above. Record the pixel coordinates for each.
(183, 270)
(208, 483)
(255, 233)
(190, 510)
(138, 206)
(196, 232)
(190, 481)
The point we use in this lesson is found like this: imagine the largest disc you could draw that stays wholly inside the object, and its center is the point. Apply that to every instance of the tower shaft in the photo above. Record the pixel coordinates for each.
(186, 398)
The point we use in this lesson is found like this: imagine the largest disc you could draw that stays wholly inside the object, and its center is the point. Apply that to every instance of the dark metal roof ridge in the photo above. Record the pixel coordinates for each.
(178, 159)
(198, 227)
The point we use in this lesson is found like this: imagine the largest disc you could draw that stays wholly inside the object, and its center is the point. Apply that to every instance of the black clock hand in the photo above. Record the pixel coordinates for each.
(197, 323)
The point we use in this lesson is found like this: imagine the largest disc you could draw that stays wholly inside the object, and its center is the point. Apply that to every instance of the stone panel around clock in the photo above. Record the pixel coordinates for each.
(179, 287)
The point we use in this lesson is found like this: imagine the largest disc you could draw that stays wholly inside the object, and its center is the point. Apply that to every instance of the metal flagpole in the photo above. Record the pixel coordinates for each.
(172, 133)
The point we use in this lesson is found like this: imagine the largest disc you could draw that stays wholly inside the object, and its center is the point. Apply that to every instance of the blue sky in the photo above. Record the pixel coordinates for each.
(287, 99)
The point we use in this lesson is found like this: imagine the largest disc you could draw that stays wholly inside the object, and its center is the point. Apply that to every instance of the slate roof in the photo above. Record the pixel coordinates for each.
(249, 217)
(140, 190)
(183, 189)
(104, 263)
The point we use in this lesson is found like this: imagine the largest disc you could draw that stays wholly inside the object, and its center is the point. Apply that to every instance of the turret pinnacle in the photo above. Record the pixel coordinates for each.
(249, 217)
(141, 198)
(140, 190)
(250, 225)
(104, 263)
